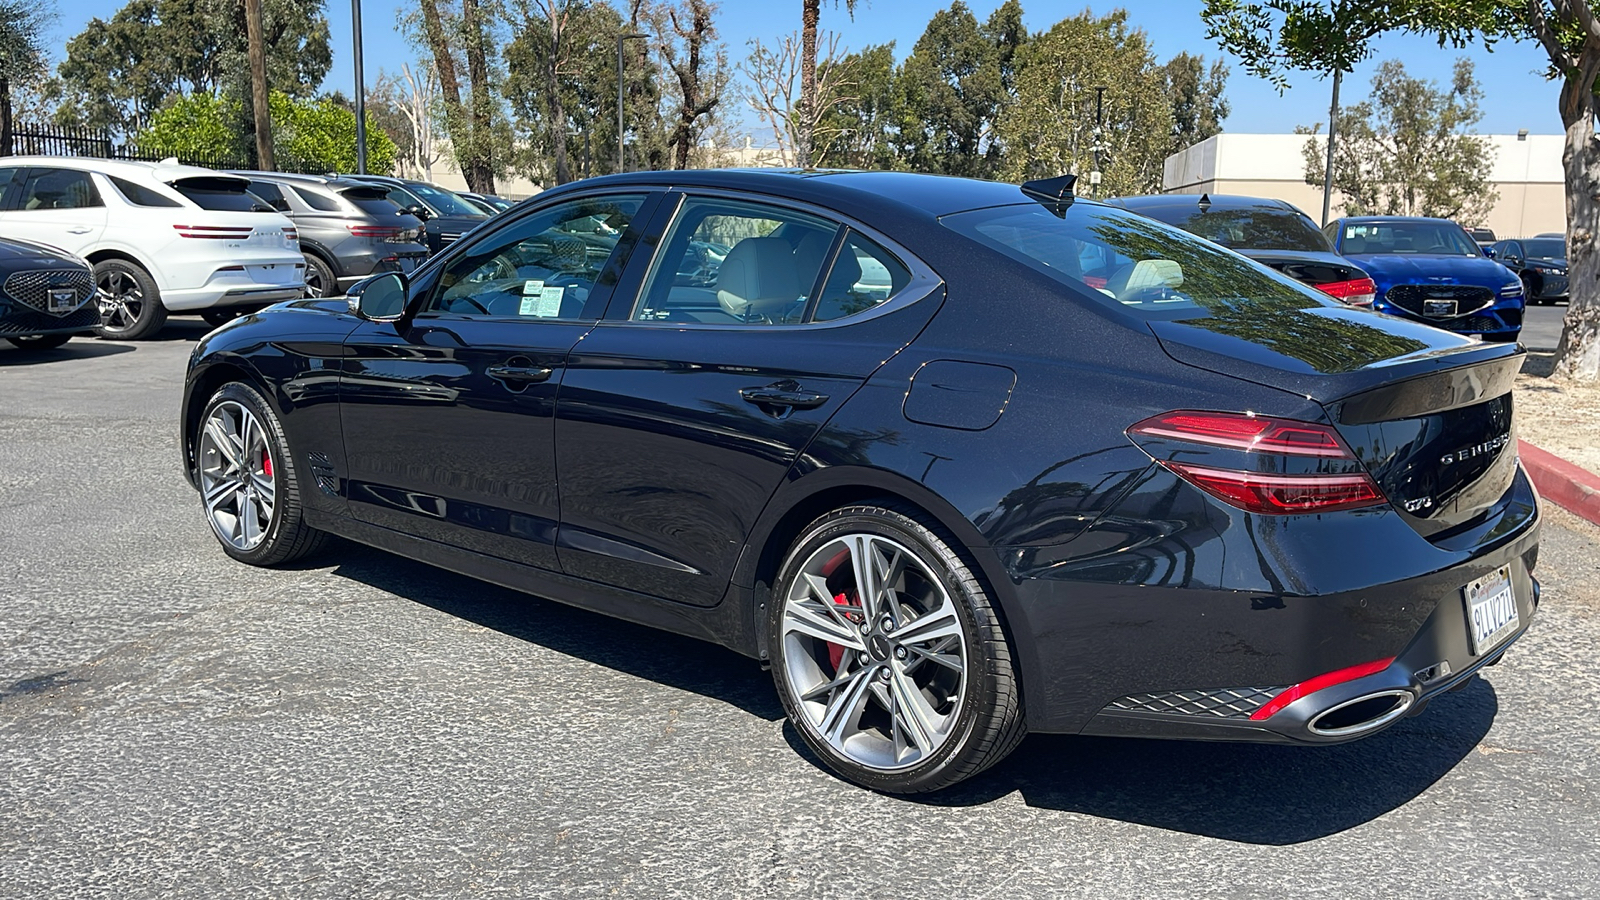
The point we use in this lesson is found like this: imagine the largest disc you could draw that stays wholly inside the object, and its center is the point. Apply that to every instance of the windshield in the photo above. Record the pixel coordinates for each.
(1545, 248)
(1250, 228)
(1137, 264)
(443, 201)
(1418, 236)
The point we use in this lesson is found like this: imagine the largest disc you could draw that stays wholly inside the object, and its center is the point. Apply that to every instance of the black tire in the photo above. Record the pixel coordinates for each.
(286, 537)
(39, 341)
(218, 317)
(1529, 289)
(319, 278)
(130, 303)
(986, 726)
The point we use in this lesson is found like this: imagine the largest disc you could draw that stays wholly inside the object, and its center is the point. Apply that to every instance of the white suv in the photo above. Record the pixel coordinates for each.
(160, 237)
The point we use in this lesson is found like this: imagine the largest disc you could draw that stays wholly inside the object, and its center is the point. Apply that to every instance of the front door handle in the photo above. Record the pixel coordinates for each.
(79, 229)
(783, 397)
(518, 377)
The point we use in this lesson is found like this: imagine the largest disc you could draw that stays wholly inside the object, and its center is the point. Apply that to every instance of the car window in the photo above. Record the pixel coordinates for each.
(271, 193)
(315, 199)
(8, 175)
(1546, 248)
(446, 202)
(542, 267)
(864, 275)
(222, 194)
(140, 195)
(1400, 236)
(727, 262)
(372, 201)
(59, 189)
(1138, 264)
(1513, 248)
(1247, 228)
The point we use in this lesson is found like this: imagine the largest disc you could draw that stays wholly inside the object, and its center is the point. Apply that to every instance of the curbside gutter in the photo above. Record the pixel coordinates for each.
(1574, 489)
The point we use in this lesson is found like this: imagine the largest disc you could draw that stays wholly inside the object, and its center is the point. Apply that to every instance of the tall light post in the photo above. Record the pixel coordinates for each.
(1327, 176)
(361, 90)
(630, 36)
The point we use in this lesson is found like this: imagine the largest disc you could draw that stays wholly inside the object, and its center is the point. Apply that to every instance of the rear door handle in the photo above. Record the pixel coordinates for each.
(783, 396)
(520, 374)
(79, 229)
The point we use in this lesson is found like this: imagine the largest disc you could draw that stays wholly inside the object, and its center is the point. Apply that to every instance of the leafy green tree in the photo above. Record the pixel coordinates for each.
(461, 40)
(117, 73)
(955, 86)
(22, 57)
(685, 40)
(1051, 127)
(1275, 37)
(858, 131)
(1409, 150)
(320, 136)
(191, 127)
(1197, 97)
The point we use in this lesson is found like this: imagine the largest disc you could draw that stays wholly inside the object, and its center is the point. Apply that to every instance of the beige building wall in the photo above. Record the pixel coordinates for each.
(1526, 174)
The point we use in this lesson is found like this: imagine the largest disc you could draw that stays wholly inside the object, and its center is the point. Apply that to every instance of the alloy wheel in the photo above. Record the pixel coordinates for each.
(236, 475)
(121, 300)
(874, 652)
(315, 289)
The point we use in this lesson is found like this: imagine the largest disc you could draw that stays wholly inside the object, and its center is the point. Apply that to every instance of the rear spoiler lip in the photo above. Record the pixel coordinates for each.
(1435, 391)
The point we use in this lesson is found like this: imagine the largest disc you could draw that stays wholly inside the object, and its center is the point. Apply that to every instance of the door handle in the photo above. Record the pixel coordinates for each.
(779, 399)
(79, 229)
(522, 375)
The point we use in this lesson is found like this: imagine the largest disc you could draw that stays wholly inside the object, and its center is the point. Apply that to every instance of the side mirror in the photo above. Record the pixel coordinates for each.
(1489, 252)
(381, 298)
(416, 209)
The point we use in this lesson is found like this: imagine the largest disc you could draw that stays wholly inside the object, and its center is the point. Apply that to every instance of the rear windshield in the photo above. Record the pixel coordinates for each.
(1419, 236)
(1248, 228)
(372, 201)
(1545, 248)
(1123, 259)
(447, 203)
(224, 194)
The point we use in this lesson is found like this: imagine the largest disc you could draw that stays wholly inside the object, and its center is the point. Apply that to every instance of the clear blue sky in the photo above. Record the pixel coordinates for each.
(1516, 93)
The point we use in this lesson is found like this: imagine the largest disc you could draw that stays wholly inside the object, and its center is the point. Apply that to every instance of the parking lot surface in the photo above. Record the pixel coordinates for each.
(174, 724)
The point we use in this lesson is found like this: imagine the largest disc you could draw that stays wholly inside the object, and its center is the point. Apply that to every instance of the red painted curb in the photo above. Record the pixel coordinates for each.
(1568, 486)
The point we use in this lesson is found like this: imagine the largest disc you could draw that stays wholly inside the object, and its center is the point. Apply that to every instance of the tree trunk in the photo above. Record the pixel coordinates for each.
(457, 122)
(482, 177)
(6, 139)
(808, 82)
(257, 51)
(1578, 353)
(552, 98)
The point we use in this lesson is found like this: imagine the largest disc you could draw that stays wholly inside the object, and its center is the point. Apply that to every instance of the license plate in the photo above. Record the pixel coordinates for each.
(63, 300)
(1438, 307)
(1491, 610)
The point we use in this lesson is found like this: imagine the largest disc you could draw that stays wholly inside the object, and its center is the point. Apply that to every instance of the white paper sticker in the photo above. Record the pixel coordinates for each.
(550, 302)
(531, 287)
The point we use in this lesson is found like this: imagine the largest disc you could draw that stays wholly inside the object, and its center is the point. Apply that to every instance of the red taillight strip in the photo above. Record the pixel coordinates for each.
(1282, 495)
(373, 231)
(1356, 292)
(214, 232)
(1311, 686)
(1245, 432)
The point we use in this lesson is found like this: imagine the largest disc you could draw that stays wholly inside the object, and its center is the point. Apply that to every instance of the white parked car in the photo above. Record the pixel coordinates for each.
(161, 237)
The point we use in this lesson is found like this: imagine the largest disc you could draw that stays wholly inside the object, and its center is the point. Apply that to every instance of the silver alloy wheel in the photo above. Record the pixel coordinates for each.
(237, 480)
(314, 289)
(121, 300)
(874, 652)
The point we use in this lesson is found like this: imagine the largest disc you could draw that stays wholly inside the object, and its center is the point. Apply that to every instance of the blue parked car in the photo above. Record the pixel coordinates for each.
(1429, 270)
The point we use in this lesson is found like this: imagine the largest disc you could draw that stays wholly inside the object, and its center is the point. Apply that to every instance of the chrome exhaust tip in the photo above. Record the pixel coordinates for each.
(1361, 714)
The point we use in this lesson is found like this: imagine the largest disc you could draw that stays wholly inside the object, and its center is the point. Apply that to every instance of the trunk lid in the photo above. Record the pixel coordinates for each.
(1428, 412)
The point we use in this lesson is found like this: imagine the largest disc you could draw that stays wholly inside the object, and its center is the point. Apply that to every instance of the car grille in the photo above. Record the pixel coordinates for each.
(31, 287)
(21, 320)
(1226, 703)
(1410, 297)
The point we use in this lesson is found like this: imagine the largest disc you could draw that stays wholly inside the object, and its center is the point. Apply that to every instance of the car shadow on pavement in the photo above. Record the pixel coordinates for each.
(77, 348)
(659, 656)
(1251, 793)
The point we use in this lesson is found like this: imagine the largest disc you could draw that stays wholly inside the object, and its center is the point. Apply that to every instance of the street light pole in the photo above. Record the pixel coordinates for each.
(361, 91)
(620, 125)
(1327, 176)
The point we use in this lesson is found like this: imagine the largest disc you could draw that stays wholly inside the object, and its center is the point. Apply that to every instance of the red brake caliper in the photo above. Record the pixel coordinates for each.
(266, 464)
(843, 598)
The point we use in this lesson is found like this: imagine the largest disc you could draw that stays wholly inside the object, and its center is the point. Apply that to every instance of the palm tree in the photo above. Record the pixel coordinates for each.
(810, 11)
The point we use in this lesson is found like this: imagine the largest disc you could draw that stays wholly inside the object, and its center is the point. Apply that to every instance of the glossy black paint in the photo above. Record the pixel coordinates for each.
(640, 478)
(24, 302)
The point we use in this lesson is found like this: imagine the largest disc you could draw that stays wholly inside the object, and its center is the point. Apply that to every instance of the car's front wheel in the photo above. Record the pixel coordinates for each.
(130, 301)
(888, 653)
(319, 278)
(249, 487)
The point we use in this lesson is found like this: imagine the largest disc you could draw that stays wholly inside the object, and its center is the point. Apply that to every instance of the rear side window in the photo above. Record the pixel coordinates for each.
(139, 195)
(372, 201)
(8, 185)
(1135, 263)
(863, 276)
(59, 189)
(315, 199)
(220, 194)
(271, 193)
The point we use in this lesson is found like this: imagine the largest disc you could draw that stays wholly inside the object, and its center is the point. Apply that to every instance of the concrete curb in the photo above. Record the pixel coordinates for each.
(1568, 486)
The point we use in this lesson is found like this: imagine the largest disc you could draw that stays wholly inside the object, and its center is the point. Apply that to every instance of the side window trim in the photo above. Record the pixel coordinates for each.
(828, 261)
(923, 283)
(427, 285)
(36, 172)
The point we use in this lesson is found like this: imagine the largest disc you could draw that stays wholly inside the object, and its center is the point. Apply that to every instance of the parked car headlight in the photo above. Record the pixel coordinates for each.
(1514, 289)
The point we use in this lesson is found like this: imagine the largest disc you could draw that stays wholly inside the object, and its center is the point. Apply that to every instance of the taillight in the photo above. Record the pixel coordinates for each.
(1270, 493)
(290, 234)
(374, 231)
(1356, 292)
(215, 232)
(1311, 686)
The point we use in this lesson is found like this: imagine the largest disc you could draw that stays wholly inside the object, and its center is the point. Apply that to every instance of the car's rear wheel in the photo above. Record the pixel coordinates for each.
(319, 278)
(39, 341)
(130, 302)
(889, 655)
(249, 487)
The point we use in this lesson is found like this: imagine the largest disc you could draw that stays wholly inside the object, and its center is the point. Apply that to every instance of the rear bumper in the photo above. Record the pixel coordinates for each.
(241, 295)
(367, 264)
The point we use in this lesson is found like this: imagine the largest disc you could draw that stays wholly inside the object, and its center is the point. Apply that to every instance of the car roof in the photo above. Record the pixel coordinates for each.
(122, 168)
(278, 176)
(1380, 219)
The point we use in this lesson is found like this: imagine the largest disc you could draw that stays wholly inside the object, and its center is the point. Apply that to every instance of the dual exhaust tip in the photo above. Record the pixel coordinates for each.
(1362, 714)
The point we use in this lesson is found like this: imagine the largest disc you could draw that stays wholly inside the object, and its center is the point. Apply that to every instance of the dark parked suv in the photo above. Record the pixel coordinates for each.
(1541, 263)
(45, 295)
(348, 229)
(445, 215)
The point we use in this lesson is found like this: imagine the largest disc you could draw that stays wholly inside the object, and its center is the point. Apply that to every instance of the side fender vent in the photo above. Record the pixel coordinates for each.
(322, 472)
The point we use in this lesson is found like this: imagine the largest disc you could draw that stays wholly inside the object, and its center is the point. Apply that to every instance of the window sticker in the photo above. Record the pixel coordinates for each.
(532, 290)
(550, 302)
(532, 287)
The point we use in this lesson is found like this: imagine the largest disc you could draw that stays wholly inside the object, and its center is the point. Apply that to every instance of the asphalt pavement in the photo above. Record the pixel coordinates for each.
(1541, 326)
(174, 724)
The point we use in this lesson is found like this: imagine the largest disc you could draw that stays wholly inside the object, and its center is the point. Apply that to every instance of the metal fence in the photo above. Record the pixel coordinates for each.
(33, 139)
